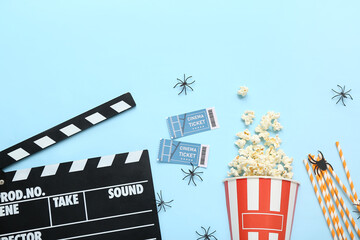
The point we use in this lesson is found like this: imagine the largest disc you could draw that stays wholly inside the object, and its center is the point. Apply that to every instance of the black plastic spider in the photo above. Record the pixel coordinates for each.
(184, 84)
(342, 94)
(206, 235)
(321, 164)
(161, 204)
(192, 174)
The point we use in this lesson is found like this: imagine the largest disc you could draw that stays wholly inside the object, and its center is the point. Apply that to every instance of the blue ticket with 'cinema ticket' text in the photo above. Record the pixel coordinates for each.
(171, 151)
(191, 123)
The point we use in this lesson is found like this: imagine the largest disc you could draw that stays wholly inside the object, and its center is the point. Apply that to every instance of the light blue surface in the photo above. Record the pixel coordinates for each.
(61, 58)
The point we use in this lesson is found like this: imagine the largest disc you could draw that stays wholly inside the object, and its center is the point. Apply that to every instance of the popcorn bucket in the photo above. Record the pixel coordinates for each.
(260, 208)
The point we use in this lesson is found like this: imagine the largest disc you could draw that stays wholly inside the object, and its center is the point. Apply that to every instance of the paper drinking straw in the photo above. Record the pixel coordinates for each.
(347, 171)
(313, 183)
(353, 223)
(329, 203)
(342, 186)
(339, 207)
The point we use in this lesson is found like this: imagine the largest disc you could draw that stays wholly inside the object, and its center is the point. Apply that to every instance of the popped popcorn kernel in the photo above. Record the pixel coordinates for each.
(248, 117)
(276, 125)
(240, 143)
(243, 91)
(244, 135)
(265, 123)
(255, 139)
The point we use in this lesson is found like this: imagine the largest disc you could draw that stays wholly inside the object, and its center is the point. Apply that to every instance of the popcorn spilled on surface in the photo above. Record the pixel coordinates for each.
(243, 91)
(248, 117)
(259, 154)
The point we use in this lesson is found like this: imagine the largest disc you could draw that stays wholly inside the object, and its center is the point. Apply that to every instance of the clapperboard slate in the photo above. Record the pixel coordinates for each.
(110, 197)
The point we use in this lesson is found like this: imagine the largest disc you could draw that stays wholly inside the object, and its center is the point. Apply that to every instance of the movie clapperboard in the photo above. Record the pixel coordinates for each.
(103, 198)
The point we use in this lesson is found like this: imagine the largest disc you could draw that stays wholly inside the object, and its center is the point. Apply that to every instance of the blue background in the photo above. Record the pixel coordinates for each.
(61, 58)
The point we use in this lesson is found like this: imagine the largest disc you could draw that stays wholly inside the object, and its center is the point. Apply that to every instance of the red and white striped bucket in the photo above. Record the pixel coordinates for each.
(260, 208)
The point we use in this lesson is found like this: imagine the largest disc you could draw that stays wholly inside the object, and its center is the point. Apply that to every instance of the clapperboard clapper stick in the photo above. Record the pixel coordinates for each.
(66, 129)
(108, 198)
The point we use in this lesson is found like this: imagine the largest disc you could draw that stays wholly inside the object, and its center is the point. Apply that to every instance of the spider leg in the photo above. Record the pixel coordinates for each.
(185, 90)
(190, 88)
(192, 181)
(176, 85)
(343, 101)
(169, 201)
(330, 165)
(158, 195)
(187, 77)
(198, 233)
(191, 178)
(200, 177)
(349, 96)
(340, 87)
(339, 100)
(335, 91)
(335, 96)
(180, 80)
(311, 159)
(167, 205)
(321, 172)
(191, 82)
(347, 91)
(185, 177)
(182, 90)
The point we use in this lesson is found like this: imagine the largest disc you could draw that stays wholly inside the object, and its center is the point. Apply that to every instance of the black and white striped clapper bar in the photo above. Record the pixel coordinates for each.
(107, 198)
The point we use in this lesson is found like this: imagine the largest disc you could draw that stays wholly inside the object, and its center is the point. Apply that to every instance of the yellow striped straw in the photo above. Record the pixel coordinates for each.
(313, 183)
